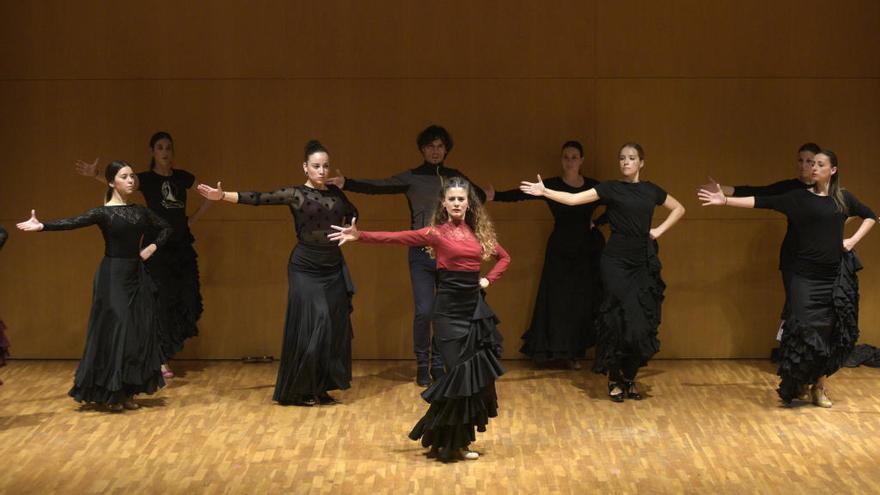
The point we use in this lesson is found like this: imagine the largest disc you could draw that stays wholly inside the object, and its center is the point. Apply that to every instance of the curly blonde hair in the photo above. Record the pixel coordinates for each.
(475, 217)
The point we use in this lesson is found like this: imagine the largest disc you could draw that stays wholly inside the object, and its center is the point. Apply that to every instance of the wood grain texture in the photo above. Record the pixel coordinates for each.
(708, 426)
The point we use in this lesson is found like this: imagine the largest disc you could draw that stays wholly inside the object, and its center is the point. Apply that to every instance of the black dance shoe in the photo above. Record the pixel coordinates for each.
(618, 397)
(325, 399)
(631, 393)
(437, 372)
(422, 377)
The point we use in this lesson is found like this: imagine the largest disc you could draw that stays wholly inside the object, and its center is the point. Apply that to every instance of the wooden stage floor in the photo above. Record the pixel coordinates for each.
(708, 426)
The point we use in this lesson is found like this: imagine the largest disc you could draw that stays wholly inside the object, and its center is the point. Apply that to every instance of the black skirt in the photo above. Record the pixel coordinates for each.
(4, 344)
(470, 346)
(316, 352)
(629, 316)
(569, 293)
(122, 356)
(175, 269)
(823, 326)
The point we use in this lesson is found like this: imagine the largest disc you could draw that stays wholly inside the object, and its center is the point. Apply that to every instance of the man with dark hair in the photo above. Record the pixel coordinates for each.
(422, 186)
(804, 179)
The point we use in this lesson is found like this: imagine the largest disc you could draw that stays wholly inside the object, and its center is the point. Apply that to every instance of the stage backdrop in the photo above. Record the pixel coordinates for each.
(728, 88)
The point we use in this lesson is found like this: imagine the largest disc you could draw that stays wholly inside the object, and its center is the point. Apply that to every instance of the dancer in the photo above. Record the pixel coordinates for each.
(806, 156)
(460, 235)
(316, 352)
(175, 268)
(122, 357)
(823, 325)
(628, 318)
(421, 185)
(570, 290)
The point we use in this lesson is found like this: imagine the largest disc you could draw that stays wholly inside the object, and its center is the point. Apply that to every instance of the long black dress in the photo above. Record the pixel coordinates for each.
(316, 352)
(824, 293)
(629, 316)
(570, 289)
(175, 267)
(122, 355)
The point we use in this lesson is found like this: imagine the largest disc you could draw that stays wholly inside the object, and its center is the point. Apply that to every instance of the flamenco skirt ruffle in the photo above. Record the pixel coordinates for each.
(122, 357)
(316, 351)
(629, 316)
(562, 326)
(175, 270)
(823, 328)
(461, 402)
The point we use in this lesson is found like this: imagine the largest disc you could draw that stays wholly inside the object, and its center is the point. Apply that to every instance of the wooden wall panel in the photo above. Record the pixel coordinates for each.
(278, 39)
(742, 39)
(727, 88)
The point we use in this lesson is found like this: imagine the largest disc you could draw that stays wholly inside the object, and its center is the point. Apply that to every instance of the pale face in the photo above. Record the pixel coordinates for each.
(630, 163)
(163, 153)
(124, 182)
(571, 160)
(317, 168)
(805, 166)
(434, 152)
(456, 202)
(822, 170)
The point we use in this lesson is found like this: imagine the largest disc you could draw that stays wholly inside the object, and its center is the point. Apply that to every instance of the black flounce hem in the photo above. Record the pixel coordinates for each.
(806, 355)
(464, 399)
(613, 319)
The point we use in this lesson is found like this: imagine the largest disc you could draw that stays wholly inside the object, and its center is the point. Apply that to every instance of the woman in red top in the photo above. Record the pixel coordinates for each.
(460, 236)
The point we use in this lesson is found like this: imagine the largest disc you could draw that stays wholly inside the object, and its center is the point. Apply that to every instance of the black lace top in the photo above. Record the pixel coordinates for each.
(122, 227)
(313, 210)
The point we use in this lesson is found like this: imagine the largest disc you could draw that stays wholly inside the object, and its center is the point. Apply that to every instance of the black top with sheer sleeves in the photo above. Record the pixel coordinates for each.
(121, 225)
(313, 210)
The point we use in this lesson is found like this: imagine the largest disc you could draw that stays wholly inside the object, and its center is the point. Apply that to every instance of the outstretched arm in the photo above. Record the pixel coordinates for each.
(421, 237)
(571, 199)
(676, 211)
(717, 198)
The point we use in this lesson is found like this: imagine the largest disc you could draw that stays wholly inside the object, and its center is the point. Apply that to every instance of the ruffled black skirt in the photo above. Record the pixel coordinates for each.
(569, 293)
(823, 327)
(470, 347)
(316, 352)
(629, 316)
(175, 270)
(122, 356)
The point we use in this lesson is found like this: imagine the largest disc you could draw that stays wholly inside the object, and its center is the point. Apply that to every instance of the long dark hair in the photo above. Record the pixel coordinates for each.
(155, 139)
(574, 144)
(110, 175)
(834, 189)
(475, 216)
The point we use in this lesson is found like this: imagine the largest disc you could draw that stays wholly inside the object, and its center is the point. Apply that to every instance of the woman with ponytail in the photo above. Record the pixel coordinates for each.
(175, 268)
(628, 319)
(122, 355)
(316, 351)
(824, 293)
(460, 236)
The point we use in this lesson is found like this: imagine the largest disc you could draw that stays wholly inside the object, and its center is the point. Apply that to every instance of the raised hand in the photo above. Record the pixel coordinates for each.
(148, 251)
(87, 169)
(31, 225)
(533, 188)
(490, 193)
(344, 234)
(214, 194)
(712, 185)
(712, 197)
(338, 181)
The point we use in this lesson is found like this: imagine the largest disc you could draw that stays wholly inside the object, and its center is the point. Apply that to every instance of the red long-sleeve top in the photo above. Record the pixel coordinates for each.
(454, 243)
